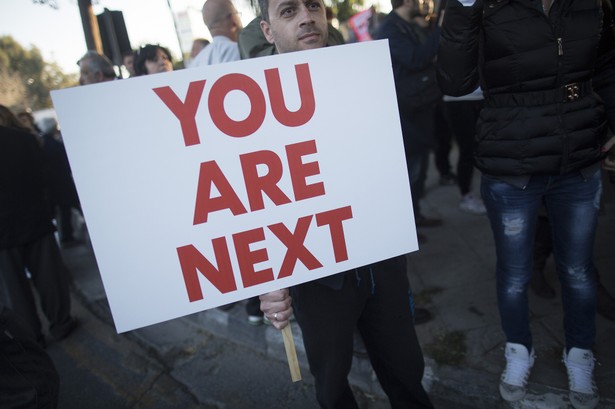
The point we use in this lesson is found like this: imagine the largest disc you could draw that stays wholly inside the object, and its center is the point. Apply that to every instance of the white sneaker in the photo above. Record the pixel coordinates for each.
(580, 367)
(514, 378)
(472, 204)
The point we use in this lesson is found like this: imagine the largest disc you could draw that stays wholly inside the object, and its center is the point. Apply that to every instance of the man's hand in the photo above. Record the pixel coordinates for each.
(276, 306)
(609, 161)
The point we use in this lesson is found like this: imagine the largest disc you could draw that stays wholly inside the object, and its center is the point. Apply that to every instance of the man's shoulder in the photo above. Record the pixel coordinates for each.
(202, 58)
(221, 40)
(222, 49)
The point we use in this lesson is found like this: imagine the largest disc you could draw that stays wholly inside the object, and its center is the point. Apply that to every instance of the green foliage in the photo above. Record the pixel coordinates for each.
(30, 78)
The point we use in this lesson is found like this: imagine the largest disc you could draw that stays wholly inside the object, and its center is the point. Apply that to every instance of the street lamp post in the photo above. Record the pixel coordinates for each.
(90, 26)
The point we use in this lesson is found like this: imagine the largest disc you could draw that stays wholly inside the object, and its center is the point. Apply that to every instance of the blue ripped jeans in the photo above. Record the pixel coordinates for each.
(572, 204)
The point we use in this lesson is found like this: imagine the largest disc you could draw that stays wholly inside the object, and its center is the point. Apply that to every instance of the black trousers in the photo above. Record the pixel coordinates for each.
(461, 116)
(42, 258)
(377, 301)
(444, 141)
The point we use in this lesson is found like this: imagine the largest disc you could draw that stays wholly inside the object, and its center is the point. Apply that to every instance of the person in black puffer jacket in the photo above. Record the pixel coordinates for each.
(547, 69)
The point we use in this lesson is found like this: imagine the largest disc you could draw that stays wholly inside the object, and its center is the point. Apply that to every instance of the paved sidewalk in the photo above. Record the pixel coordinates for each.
(453, 276)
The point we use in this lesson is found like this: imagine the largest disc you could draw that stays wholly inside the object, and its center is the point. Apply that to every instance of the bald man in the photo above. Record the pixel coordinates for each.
(222, 20)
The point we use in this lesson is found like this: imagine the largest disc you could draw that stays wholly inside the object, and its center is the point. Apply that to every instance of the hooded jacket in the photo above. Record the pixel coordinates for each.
(548, 79)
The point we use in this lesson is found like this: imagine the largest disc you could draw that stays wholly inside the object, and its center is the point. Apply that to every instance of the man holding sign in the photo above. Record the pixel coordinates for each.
(376, 298)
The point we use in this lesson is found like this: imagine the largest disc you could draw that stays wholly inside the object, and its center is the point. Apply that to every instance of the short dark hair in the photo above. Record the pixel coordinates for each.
(396, 3)
(148, 53)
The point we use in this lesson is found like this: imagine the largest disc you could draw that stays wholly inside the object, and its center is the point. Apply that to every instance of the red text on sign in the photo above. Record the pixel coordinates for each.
(186, 110)
(221, 274)
(257, 186)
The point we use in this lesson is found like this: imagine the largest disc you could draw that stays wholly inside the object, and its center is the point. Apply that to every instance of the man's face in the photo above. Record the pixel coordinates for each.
(296, 25)
(86, 75)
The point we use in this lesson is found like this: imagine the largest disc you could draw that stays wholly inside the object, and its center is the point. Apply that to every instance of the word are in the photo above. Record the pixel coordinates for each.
(222, 276)
(186, 110)
(210, 175)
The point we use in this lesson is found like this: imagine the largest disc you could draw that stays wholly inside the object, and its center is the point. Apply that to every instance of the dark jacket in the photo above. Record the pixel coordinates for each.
(549, 81)
(413, 50)
(24, 210)
(59, 177)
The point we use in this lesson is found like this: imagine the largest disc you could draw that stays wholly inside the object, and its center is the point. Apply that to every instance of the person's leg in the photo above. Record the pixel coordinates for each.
(417, 162)
(418, 139)
(512, 214)
(255, 315)
(572, 204)
(462, 116)
(28, 377)
(51, 279)
(605, 302)
(327, 319)
(542, 250)
(442, 150)
(414, 161)
(389, 335)
(423, 168)
(15, 291)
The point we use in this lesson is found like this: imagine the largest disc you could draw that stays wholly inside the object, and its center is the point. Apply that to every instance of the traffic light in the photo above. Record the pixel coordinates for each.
(114, 36)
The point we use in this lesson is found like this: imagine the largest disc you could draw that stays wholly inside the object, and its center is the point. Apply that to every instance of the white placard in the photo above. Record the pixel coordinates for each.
(206, 186)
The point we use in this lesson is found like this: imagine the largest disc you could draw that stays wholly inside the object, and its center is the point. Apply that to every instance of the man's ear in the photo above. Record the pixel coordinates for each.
(266, 28)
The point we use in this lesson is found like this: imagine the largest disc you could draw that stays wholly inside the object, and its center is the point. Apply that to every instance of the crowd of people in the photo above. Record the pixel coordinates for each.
(522, 99)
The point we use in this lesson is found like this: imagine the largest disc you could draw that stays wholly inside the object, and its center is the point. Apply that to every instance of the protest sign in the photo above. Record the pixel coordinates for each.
(210, 185)
(359, 23)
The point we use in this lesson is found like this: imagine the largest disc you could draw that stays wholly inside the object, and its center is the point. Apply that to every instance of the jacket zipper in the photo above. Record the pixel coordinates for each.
(565, 147)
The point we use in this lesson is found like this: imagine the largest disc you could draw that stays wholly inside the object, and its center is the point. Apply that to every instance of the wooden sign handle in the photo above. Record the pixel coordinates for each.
(291, 353)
